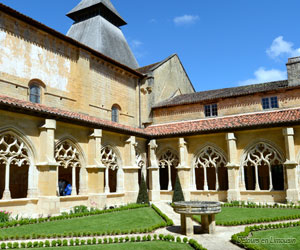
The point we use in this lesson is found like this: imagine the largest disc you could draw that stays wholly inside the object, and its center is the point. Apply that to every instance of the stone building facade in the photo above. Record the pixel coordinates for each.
(70, 111)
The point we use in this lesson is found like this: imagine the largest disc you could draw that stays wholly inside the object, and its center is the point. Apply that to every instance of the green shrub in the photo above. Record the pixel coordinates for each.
(126, 238)
(178, 239)
(3, 245)
(47, 243)
(105, 241)
(185, 239)
(89, 242)
(53, 243)
(99, 241)
(59, 243)
(29, 244)
(9, 245)
(143, 197)
(149, 237)
(82, 242)
(110, 240)
(177, 194)
(132, 239)
(94, 241)
(23, 244)
(77, 242)
(41, 244)
(65, 243)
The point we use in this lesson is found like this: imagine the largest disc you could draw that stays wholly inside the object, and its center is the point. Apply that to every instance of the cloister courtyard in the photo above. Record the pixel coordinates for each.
(141, 226)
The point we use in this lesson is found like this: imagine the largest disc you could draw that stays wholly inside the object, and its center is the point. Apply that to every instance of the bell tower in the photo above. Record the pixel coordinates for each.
(97, 25)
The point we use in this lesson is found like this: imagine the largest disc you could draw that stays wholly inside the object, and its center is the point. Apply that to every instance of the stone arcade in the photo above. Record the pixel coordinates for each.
(79, 108)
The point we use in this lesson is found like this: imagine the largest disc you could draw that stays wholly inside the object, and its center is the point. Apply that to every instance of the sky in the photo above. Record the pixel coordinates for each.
(220, 43)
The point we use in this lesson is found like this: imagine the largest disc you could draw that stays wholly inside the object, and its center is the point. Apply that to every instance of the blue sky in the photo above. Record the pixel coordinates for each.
(220, 43)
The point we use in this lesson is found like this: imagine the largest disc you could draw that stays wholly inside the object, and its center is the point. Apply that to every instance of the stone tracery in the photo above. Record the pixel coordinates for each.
(168, 162)
(209, 157)
(68, 158)
(109, 159)
(257, 165)
(14, 152)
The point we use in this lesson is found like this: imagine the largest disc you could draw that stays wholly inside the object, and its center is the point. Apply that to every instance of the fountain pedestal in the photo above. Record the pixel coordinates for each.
(206, 209)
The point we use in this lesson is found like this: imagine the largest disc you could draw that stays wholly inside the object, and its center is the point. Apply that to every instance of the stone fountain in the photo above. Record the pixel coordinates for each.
(207, 210)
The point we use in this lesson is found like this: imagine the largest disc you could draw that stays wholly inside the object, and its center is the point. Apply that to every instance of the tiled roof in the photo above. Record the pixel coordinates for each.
(211, 125)
(242, 121)
(147, 69)
(60, 114)
(222, 93)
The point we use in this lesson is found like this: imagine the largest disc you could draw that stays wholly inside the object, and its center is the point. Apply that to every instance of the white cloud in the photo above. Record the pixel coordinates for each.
(280, 47)
(136, 43)
(185, 19)
(263, 75)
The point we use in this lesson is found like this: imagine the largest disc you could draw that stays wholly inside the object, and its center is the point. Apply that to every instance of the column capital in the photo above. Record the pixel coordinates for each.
(152, 144)
(232, 165)
(182, 142)
(288, 131)
(132, 140)
(49, 124)
(96, 134)
(230, 137)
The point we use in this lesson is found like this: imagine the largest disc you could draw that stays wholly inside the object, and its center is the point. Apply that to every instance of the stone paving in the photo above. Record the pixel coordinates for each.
(219, 240)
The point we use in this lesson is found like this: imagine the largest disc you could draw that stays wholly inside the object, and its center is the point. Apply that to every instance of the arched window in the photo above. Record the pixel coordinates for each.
(35, 93)
(67, 156)
(168, 163)
(210, 170)
(14, 167)
(110, 161)
(262, 168)
(115, 113)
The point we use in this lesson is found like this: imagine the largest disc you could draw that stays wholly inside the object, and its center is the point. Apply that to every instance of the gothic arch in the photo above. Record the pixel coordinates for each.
(209, 168)
(262, 166)
(168, 162)
(70, 157)
(17, 165)
(114, 175)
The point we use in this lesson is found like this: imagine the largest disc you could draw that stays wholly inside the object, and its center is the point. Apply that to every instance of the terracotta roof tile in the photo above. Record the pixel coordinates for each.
(212, 125)
(43, 109)
(243, 121)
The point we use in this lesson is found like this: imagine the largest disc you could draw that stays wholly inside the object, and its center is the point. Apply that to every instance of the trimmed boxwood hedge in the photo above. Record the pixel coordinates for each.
(238, 238)
(70, 242)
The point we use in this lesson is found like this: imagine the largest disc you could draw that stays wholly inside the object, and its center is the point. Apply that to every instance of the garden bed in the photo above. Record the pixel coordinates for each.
(116, 222)
(232, 216)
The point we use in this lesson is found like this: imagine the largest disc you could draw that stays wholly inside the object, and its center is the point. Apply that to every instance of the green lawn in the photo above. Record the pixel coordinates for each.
(229, 214)
(123, 220)
(153, 245)
(283, 233)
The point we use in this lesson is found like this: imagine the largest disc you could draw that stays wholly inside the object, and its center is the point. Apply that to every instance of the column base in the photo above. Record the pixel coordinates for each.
(154, 195)
(32, 193)
(233, 195)
(292, 195)
(6, 195)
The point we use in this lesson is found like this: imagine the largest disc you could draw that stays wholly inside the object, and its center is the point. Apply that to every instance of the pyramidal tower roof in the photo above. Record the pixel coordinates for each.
(97, 25)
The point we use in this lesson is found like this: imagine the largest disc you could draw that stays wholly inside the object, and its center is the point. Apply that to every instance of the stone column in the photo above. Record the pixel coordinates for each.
(49, 202)
(48, 167)
(131, 170)
(233, 193)
(6, 193)
(184, 171)
(95, 167)
(154, 192)
(292, 192)
(74, 190)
